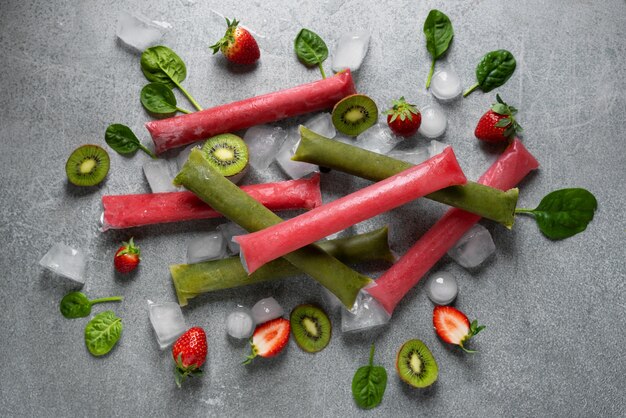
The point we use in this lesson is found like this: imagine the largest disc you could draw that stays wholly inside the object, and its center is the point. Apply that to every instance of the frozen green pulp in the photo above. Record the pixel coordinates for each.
(208, 184)
(485, 201)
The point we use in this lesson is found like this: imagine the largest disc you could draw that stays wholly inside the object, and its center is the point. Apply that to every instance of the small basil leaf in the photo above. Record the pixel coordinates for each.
(369, 384)
(310, 48)
(158, 99)
(564, 213)
(75, 305)
(121, 139)
(161, 64)
(102, 333)
(438, 32)
(494, 69)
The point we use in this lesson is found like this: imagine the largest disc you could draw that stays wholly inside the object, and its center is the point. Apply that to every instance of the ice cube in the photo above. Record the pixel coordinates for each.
(378, 138)
(416, 156)
(182, 156)
(350, 50)
(434, 122)
(229, 230)
(322, 124)
(266, 310)
(473, 248)
(168, 322)
(366, 313)
(211, 246)
(436, 147)
(65, 261)
(139, 32)
(446, 85)
(239, 323)
(332, 302)
(350, 140)
(441, 288)
(263, 142)
(294, 169)
(159, 175)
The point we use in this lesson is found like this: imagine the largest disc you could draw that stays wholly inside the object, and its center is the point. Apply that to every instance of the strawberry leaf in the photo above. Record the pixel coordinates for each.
(503, 123)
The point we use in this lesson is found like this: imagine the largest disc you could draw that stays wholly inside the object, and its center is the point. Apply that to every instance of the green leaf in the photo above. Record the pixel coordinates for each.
(494, 69)
(369, 384)
(123, 140)
(102, 333)
(162, 65)
(564, 213)
(311, 49)
(503, 122)
(75, 305)
(439, 33)
(158, 99)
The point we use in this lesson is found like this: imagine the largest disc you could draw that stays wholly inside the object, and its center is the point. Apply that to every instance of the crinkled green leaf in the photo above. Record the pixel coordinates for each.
(310, 48)
(439, 33)
(102, 333)
(161, 64)
(494, 69)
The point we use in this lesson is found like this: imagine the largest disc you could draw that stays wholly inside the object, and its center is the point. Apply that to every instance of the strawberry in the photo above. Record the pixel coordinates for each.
(237, 45)
(269, 339)
(127, 257)
(498, 124)
(189, 352)
(403, 118)
(453, 327)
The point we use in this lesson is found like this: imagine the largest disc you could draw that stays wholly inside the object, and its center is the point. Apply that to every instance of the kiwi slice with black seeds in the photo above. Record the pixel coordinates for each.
(227, 153)
(354, 114)
(311, 327)
(416, 365)
(88, 165)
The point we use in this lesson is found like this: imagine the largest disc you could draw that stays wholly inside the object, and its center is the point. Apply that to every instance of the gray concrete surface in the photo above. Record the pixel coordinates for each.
(555, 311)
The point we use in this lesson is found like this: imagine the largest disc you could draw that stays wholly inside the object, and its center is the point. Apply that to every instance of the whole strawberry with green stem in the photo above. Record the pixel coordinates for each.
(498, 124)
(237, 45)
(127, 257)
(189, 353)
(403, 118)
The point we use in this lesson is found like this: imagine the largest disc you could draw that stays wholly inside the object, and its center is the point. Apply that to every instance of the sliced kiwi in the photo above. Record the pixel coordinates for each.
(354, 114)
(416, 365)
(310, 327)
(88, 165)
(228, 153)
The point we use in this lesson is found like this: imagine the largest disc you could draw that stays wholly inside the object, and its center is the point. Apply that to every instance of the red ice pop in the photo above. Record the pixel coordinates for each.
(271, 243)
(508, 170)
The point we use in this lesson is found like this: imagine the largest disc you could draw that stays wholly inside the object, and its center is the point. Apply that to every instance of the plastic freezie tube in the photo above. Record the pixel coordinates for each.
(266, 245)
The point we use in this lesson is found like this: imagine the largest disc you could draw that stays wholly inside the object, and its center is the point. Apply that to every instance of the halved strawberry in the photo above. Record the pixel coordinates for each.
(453, 327)
(269, 339)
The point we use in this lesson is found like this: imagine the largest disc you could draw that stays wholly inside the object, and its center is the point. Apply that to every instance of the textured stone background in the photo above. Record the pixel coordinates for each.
(555, 311)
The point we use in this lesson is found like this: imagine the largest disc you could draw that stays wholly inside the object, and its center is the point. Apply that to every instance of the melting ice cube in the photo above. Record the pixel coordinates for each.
(446, 85)
(211, 246)
(263, 142)
(294, 169)
(65, 261)
(168, 322)
(322, 124)
(266, 310)
(350, 50)
(159, 175)
(416, 156)
(182, 156)
(378, 138)
(473, 248)
(239, 323)
(229, 230)
(366, 313)
(434, 122)
(139, 32)
(441, 288)
(332, 302)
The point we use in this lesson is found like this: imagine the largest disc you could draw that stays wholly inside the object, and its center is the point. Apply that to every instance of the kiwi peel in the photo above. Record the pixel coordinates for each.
(87, 165)
(416, 365)
(310, 327)
(228, 154)
(354, 114)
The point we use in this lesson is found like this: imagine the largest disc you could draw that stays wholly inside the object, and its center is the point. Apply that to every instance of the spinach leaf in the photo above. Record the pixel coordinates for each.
(439, 34)
(369, 384)
(311, 49)
(493, 70)
(564, 213)
(159, 100)
(77, 305)
(160, 64)
(102, 333)
(123, 140)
